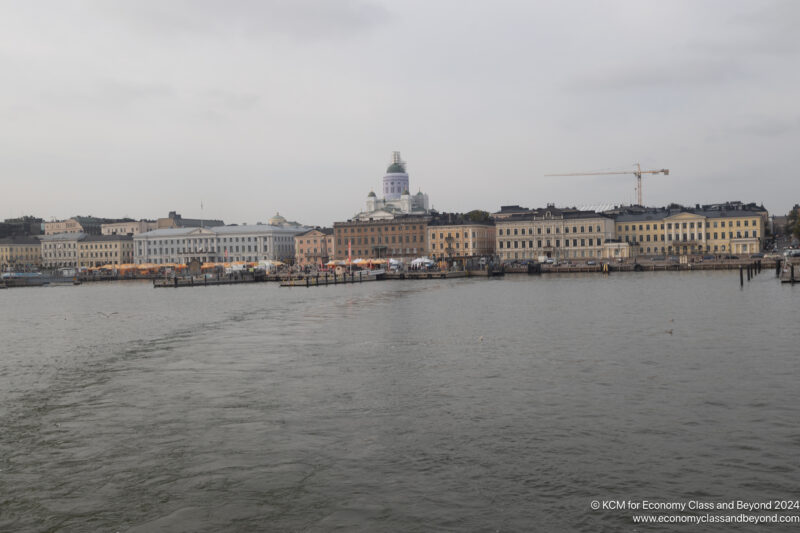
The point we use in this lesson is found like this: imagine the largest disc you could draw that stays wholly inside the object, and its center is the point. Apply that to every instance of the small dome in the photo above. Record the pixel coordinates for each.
(405, 192)
(371, 194)
(277, 220)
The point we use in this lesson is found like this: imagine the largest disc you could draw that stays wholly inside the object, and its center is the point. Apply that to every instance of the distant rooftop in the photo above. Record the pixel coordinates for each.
(222, 230)
(19, 240)
(726, 209)
(324, 231)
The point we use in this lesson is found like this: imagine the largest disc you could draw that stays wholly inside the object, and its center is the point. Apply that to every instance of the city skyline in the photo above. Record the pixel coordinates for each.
(137, 109)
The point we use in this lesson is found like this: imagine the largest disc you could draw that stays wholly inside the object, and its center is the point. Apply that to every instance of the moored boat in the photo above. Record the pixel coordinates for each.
(23, 279)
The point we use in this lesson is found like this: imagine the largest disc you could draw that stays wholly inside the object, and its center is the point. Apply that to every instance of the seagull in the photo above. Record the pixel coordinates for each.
(480, 339)
(669, 331)
(106, 314)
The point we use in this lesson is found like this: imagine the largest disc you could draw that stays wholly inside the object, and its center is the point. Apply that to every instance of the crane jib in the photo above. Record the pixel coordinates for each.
(638, 173)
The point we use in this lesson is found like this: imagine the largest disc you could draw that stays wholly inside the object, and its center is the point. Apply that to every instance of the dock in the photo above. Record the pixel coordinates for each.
(321, 280)
(427, 274)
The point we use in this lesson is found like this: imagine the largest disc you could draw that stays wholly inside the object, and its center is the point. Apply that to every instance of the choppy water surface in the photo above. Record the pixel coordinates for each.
(460, 405)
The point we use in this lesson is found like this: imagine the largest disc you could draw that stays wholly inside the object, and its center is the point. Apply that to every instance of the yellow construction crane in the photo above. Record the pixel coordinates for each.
(637, 172)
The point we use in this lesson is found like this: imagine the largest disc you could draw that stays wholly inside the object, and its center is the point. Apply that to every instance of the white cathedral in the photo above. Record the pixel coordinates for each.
(396, 197)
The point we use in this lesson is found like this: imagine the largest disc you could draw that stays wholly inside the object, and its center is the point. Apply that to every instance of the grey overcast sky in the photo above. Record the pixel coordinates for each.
(135, 108)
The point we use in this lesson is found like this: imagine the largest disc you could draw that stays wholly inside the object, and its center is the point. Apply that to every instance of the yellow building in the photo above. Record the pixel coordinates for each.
(99, 250)
(458, 237)
(79, 224)
(133, 227)
(20, 253)
(78, 250)
(714, 229)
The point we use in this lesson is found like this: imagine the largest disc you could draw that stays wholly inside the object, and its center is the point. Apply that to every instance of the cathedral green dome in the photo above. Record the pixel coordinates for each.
(396, 168)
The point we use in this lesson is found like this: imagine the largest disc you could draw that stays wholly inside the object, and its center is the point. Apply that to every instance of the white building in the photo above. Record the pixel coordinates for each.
(61, 249)
(217, 244)
(397, 199)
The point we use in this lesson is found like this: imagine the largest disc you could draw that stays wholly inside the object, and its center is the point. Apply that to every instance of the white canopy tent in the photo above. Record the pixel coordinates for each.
(422, 261)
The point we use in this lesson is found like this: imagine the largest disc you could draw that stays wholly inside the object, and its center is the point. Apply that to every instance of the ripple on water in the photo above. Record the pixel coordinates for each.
(398, 406)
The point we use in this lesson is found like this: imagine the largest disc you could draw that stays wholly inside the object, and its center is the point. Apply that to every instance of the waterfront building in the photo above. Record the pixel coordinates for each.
(99, 250)
(258, 242)
(61, 249)
(553, 233)
(457, 236)
(400, 237)
(134, 227)
(80, 250)
(732, 227)
(174, 220)
(397, 200)
(314, 247)
(20, 253)
(89, 225)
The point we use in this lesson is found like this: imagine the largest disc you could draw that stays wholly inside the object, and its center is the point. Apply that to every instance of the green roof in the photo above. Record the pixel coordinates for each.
(396, 168)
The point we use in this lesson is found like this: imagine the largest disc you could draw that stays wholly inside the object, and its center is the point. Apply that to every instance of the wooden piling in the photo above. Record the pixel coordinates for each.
(741, 276)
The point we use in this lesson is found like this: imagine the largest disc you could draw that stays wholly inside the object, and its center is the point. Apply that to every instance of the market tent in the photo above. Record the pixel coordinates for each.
(268, 264)
(422, 261)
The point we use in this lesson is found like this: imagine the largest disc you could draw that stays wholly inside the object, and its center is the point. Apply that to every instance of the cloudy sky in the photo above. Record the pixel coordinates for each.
(135, 108)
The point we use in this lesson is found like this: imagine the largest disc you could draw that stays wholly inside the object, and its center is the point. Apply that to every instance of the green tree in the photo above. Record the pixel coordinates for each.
(478, 216)
(793, 222)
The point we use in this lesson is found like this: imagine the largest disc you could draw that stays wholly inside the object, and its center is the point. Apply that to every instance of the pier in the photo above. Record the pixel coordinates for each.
(789, 270)
(318, 280)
